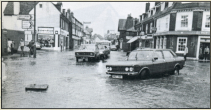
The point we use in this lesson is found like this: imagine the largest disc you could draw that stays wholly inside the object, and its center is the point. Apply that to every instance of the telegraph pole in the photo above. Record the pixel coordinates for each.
(34, 29)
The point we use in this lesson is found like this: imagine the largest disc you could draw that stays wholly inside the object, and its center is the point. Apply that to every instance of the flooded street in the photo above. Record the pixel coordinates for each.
(86, 85)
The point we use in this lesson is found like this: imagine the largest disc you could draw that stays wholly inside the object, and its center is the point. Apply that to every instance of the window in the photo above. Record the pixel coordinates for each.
(167, 24)
(146, 28)
(150, 28)
(184, 21)
(158, 54)
(207, 23)
(167, 54)
(181, 43)
(159, 25)
(40, 5)
(166, 4)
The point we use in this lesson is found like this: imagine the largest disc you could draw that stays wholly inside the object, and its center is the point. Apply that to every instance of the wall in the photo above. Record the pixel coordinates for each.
(204, 20)
(162, 22)
(178, 21)
(47, 16)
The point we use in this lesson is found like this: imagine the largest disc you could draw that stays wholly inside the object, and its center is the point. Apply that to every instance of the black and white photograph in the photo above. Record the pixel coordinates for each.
(105, 54)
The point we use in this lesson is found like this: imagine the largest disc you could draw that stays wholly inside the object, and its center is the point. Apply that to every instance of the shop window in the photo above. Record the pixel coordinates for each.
(207, 23)
(184, 21)
(181, 44)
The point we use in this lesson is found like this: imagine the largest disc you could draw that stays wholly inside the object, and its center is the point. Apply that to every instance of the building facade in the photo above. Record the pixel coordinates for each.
(186, 24)
(128, 39)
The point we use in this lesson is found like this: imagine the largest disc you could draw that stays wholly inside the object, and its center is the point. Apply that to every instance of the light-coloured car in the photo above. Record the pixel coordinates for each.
(87, 51)
(38, 45)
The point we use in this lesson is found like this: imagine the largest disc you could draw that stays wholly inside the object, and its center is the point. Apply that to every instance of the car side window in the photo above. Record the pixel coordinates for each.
(158, 54)
(167, 54)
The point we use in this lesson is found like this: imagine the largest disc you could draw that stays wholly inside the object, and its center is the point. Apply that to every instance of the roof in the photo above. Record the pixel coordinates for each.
(9, 9)
(121, 25)
(131, 29)
(25, 8)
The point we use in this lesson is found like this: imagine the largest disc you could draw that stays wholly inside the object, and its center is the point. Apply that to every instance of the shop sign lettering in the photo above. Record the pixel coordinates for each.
(45, 30)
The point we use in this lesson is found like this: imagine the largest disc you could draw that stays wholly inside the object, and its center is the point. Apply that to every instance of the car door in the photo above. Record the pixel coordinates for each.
(159, 64)
(169, 59)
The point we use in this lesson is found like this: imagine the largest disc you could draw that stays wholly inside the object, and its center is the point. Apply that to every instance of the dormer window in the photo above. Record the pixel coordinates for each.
(166, 4)
(40, 5)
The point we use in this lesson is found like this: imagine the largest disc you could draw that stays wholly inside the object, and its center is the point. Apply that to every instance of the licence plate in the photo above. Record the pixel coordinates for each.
(117, 76)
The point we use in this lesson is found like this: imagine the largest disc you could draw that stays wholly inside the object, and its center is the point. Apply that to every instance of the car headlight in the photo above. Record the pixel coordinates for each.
(131, 68)
(77, 53)
(107, 68)
(101, 52)
(91, 53)
(110, 68)
(126, 69)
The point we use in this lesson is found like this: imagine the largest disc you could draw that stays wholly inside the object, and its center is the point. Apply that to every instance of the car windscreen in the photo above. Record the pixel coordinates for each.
(141, 55)
(87, 47)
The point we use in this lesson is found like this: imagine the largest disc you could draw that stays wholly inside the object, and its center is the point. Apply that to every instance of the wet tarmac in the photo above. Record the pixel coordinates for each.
(86, 85)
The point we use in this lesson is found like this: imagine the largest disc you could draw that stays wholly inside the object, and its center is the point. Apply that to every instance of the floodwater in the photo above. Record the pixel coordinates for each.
(86, 84)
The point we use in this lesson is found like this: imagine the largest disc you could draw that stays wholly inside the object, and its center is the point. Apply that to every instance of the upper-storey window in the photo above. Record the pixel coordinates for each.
(167, 22)
(184, 21)
(207, 23)
(146, 28)
(166, 4)
(150, 28)
(40, 5)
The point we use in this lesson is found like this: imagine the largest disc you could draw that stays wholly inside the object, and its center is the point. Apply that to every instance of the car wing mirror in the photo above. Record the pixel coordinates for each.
(155, 58)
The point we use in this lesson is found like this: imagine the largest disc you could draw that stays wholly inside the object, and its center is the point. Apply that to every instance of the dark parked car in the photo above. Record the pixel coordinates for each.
(104, 51)
(87, 51)
(145, 62)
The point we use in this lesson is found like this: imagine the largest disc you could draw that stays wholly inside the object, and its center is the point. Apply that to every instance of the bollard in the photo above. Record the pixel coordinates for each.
(34, 51)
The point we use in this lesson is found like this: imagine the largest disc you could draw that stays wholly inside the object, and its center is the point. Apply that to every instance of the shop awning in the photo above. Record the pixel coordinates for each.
(133, 39)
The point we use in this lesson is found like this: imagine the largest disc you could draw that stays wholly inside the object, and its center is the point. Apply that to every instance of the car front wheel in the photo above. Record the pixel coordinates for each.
(144, 74)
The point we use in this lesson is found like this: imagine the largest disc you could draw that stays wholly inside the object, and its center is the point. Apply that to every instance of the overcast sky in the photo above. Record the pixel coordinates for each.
(122, 8)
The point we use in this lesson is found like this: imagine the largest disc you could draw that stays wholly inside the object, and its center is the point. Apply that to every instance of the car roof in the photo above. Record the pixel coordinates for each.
(140, 49)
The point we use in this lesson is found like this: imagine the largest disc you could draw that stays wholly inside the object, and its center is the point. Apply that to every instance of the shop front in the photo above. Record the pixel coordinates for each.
(204, 42)
(46, 37)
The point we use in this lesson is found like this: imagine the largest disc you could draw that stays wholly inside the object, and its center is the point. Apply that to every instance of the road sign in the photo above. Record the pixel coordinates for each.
(27, 24)
(25, 17)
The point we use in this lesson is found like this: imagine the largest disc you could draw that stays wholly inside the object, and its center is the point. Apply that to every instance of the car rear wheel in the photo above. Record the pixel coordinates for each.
(144, 74)
(176, 71)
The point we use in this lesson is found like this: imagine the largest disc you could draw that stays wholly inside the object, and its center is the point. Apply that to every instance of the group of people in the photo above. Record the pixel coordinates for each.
(204, 56)
(21, 44)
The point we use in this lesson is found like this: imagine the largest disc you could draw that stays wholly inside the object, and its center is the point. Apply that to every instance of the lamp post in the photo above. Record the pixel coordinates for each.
(34, 55)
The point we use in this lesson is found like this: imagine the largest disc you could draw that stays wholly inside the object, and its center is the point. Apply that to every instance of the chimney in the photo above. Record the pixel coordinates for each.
(156, 3)
(72, 14)
(16, 8)
(59, 6)
(140, 17)
(136, 20)
(63, 11)
(147, 7)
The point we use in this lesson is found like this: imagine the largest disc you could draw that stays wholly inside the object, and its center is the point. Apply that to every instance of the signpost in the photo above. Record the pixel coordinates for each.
(27, 24)
(26, 17)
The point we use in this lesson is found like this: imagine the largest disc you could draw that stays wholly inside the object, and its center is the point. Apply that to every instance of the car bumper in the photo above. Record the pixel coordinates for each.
(81, 56)
(123, 73)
